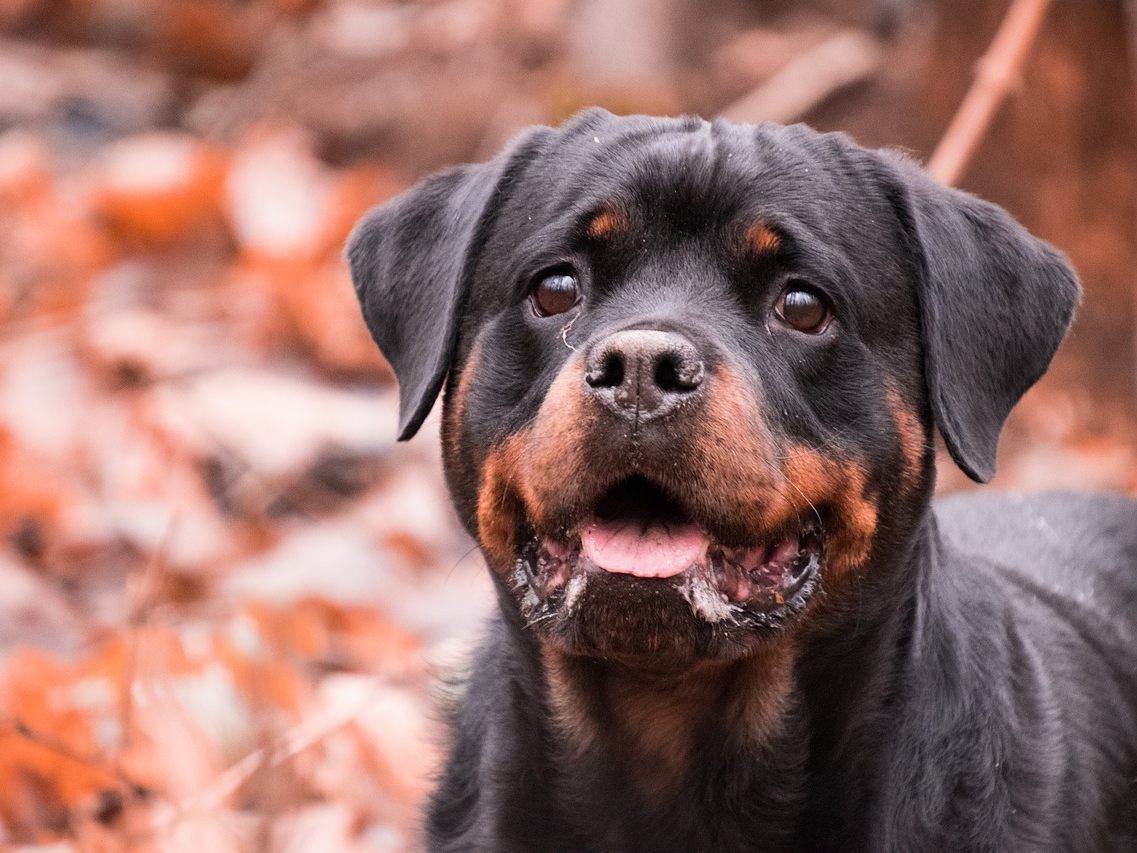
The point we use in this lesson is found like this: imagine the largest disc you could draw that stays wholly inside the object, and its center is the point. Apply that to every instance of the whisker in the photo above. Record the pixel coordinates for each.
(830, 442)
(791, 484)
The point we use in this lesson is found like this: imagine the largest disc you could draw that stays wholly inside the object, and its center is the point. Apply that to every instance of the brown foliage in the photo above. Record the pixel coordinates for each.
(220, 583)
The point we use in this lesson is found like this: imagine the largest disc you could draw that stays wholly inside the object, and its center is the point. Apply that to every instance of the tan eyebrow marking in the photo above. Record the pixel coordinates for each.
(761, 239)
(607, 223)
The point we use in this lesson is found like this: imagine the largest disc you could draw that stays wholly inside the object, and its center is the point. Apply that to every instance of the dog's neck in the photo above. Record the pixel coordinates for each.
(814, 698)
(653, 722)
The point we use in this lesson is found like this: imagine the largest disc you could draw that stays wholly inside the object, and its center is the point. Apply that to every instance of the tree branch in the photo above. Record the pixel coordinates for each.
(995, 73)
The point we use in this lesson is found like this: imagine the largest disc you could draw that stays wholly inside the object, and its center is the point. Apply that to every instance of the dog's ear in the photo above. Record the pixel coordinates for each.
(995, 303)
(411, 261)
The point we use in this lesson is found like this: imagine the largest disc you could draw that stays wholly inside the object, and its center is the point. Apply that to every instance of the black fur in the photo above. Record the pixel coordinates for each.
(972, 687)
(411, 261)
(981, 350)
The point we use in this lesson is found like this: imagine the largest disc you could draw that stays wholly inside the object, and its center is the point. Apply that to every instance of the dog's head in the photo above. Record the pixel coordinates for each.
(693, 368)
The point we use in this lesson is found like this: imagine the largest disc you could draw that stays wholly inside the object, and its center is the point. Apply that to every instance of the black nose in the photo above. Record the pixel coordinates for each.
(643, 373)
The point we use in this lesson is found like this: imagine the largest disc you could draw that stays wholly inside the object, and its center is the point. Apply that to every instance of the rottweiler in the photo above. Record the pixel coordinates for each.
(692, 375)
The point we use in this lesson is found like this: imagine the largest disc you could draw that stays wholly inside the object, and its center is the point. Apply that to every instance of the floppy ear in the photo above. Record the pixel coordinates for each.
(994, 304)
(411, 262)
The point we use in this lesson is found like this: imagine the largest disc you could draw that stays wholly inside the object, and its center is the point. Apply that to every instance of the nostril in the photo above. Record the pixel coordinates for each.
(666, 375)
(609, 373)
(643, 373)
(677, 373)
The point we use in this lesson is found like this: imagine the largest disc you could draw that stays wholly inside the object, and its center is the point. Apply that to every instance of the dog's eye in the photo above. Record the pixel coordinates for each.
(555, 293)
(803, 308)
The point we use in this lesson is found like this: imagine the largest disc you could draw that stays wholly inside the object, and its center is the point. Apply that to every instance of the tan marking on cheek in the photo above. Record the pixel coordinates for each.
(456, 408)
(761, 239)
(556, 455)
(738, 457)
(731, 447)
(842, 484)
(499, 503)
(527, 473)
(912, 436)
(607, 223)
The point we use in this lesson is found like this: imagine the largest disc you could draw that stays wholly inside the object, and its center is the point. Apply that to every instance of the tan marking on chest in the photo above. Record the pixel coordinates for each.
(653, 725)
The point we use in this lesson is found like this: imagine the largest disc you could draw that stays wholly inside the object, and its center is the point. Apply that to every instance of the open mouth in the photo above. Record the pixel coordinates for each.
(639, 530)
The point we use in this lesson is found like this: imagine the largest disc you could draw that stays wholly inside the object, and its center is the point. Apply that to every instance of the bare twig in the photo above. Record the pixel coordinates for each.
(141, 595)
(96, 762)
(1131, 26)
(995, 74)
(292, 742)
(841, 60)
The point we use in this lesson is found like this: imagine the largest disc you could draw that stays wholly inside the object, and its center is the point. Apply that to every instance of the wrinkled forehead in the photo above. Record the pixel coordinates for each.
(645, 185)
(668, 176)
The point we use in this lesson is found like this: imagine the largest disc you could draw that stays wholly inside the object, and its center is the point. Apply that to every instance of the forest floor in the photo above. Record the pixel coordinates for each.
(227, 597)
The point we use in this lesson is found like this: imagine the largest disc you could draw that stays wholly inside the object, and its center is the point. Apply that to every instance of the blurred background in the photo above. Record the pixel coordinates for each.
(226, 595)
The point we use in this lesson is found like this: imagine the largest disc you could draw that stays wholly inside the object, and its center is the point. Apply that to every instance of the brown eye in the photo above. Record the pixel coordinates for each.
(803, 308)
(554, 294)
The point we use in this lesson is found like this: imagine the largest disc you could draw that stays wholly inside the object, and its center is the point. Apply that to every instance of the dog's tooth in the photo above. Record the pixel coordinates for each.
(575, 589)
(742, 590)
(753, 558)
(705, 599)
(786, 550)
(556, 578)
(555, 550)
(530, 598)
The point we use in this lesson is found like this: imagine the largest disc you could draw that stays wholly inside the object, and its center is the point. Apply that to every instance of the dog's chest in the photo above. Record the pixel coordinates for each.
(727, 798)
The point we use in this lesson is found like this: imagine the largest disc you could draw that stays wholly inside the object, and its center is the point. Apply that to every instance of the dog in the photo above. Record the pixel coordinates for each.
(693, 372)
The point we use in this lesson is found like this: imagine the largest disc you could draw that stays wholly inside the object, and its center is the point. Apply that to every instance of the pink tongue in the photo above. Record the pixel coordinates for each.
(660, 551)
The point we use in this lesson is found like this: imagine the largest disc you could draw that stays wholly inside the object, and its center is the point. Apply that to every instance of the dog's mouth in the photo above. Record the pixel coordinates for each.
(641, 531)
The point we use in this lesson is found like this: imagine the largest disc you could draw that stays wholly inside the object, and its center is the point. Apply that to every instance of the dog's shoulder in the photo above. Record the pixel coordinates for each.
(1078, 545)
(1064, 563)
(488, 797)
(1026, 621)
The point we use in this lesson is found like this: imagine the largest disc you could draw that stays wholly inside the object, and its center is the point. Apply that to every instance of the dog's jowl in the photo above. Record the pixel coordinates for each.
(693, 373)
